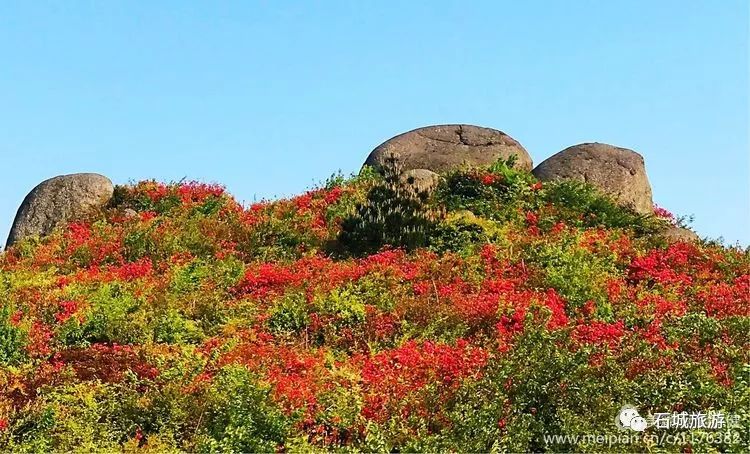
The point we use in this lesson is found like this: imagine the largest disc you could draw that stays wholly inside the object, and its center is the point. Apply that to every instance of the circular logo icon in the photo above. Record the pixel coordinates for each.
(628, 418)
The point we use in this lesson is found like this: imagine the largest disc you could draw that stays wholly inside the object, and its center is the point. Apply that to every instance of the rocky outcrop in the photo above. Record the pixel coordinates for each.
(616, 171)
(679, 234)
(447, 147)
(59, 200)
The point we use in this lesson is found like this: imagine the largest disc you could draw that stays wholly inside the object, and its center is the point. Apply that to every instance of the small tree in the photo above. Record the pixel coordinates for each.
(392, 215)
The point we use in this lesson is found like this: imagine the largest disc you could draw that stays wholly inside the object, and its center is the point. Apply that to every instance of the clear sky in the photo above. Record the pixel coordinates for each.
(269, 97)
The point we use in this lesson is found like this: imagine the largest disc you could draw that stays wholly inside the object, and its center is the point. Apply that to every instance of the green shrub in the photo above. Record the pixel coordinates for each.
(577, 274)
(114, 317)
(173, 328)
(289, 315)
(499, 192)
(240, 417)
(12, 339)
(74, 415)
(580, 204)
(344, 305)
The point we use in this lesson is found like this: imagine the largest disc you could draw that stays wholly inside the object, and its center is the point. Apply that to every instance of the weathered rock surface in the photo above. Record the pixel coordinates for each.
(58, 200)
(420, 181)
(616, 171)
(447, 147)
(676, 234)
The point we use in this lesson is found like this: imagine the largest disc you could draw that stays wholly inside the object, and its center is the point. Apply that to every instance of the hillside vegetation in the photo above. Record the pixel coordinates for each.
(359, 316)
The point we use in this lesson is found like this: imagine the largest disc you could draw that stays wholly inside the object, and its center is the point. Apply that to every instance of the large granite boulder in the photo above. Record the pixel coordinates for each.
(447, 147)
(59, 200)
(616, 171)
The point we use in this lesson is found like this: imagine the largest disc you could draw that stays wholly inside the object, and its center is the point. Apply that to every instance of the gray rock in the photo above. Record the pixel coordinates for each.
(59, 200)
(677, 234)
(447, 147)
(616, 171)
(419, 181)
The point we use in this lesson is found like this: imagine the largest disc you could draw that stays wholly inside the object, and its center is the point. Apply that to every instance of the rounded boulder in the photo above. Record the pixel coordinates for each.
(58, 200)
(447, 147)
(419, 181)
(618, 172)
(676, 234)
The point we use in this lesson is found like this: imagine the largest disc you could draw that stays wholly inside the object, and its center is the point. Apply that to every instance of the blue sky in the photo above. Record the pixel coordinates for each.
(269, 97)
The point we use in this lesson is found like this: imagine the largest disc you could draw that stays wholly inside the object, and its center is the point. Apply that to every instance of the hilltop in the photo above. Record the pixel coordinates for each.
(475, 308)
